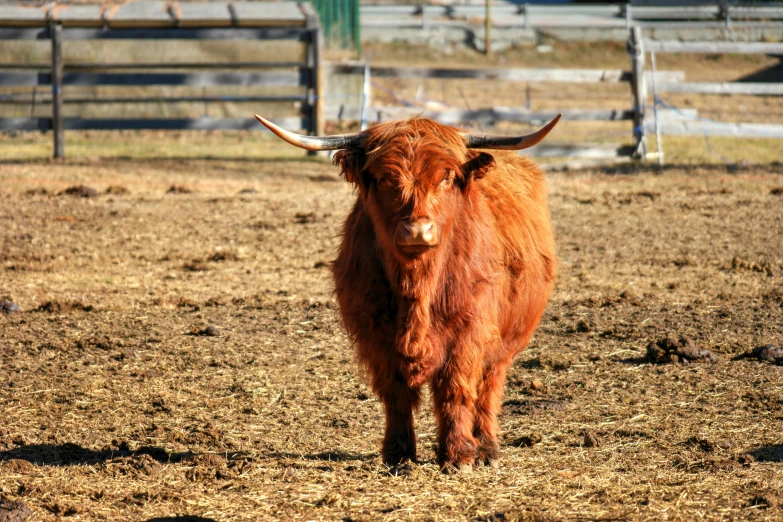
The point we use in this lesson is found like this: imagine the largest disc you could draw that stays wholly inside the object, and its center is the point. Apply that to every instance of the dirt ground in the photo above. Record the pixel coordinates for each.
(177, 351)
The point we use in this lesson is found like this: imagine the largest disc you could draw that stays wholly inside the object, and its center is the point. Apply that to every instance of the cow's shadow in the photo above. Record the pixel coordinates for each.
(70, 454)
(181, 518)
(634, 361)
(324, 456)
(636, 168)
(771, 74)
(771, 453)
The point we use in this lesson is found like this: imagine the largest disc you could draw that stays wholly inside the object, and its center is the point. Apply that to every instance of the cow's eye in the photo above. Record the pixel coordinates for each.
(447, 182)
(383, 182)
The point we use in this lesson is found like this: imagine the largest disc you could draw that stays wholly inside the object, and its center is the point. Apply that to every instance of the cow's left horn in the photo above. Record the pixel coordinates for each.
(339, 141)
(491, 141)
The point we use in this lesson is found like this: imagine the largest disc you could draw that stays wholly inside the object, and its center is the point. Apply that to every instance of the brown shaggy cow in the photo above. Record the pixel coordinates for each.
(444, 270)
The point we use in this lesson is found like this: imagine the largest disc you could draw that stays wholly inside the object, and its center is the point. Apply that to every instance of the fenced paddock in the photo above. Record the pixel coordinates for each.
(277, 68)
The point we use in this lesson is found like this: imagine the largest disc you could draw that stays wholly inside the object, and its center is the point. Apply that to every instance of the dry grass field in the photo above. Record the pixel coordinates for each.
(178, 352)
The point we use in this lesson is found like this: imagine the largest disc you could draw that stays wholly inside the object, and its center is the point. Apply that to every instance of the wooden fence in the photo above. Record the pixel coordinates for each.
(681, 122)
(488, 116)
(156, 21)
(529, 15)
(694, 126)
(152, 22)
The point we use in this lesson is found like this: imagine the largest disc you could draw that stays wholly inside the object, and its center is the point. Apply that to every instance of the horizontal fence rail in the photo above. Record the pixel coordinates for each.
(204, 123)
(25, 99)
(716, 128)
(79, 33)
(482, 116)
(529, 75)
(147, 66)
(756, 89)
(303, 77)
(156, 14)
(673, 46)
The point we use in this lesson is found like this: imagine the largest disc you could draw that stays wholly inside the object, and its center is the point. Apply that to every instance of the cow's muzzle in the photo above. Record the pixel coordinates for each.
(417, 236)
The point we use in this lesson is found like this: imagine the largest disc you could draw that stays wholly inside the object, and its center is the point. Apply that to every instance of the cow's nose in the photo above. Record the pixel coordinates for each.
(421, 232)
(420, 229)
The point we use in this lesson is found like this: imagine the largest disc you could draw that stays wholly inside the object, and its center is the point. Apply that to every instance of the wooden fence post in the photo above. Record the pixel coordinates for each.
(658, 140)
(366, 91)
(488, 28)
(315, 90)
(56, 34)
(723, 12)
(638, 91)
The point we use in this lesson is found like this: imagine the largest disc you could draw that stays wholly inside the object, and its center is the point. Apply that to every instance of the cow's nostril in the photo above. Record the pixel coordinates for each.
(426, 232)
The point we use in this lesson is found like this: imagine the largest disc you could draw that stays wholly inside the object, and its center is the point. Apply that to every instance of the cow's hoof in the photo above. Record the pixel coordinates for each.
(396, 452)
(457, 469)
(398, 460)
(488, 463)
(401, 470)
(488, 452)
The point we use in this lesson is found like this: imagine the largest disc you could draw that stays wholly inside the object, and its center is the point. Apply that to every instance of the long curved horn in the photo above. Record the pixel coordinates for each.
(491, 141)
(339, 141)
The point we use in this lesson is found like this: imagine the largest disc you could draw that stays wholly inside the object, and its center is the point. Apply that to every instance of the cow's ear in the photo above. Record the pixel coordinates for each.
(477, 166)
(351, 163)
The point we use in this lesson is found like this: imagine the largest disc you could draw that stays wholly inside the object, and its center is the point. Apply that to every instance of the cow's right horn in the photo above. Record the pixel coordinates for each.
(339, 141)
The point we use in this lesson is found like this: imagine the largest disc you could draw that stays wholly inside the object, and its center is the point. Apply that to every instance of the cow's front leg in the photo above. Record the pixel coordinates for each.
(399, 402)
(454, 393)
(485, 429)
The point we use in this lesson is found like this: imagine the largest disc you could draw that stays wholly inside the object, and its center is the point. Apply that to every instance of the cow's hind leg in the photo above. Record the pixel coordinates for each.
(399, 402)
(485, 427)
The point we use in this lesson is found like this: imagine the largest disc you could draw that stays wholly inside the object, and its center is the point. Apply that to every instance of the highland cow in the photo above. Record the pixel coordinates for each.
(446, 264)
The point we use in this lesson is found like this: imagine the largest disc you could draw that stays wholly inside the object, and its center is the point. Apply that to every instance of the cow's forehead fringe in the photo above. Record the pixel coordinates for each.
(416, 147)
